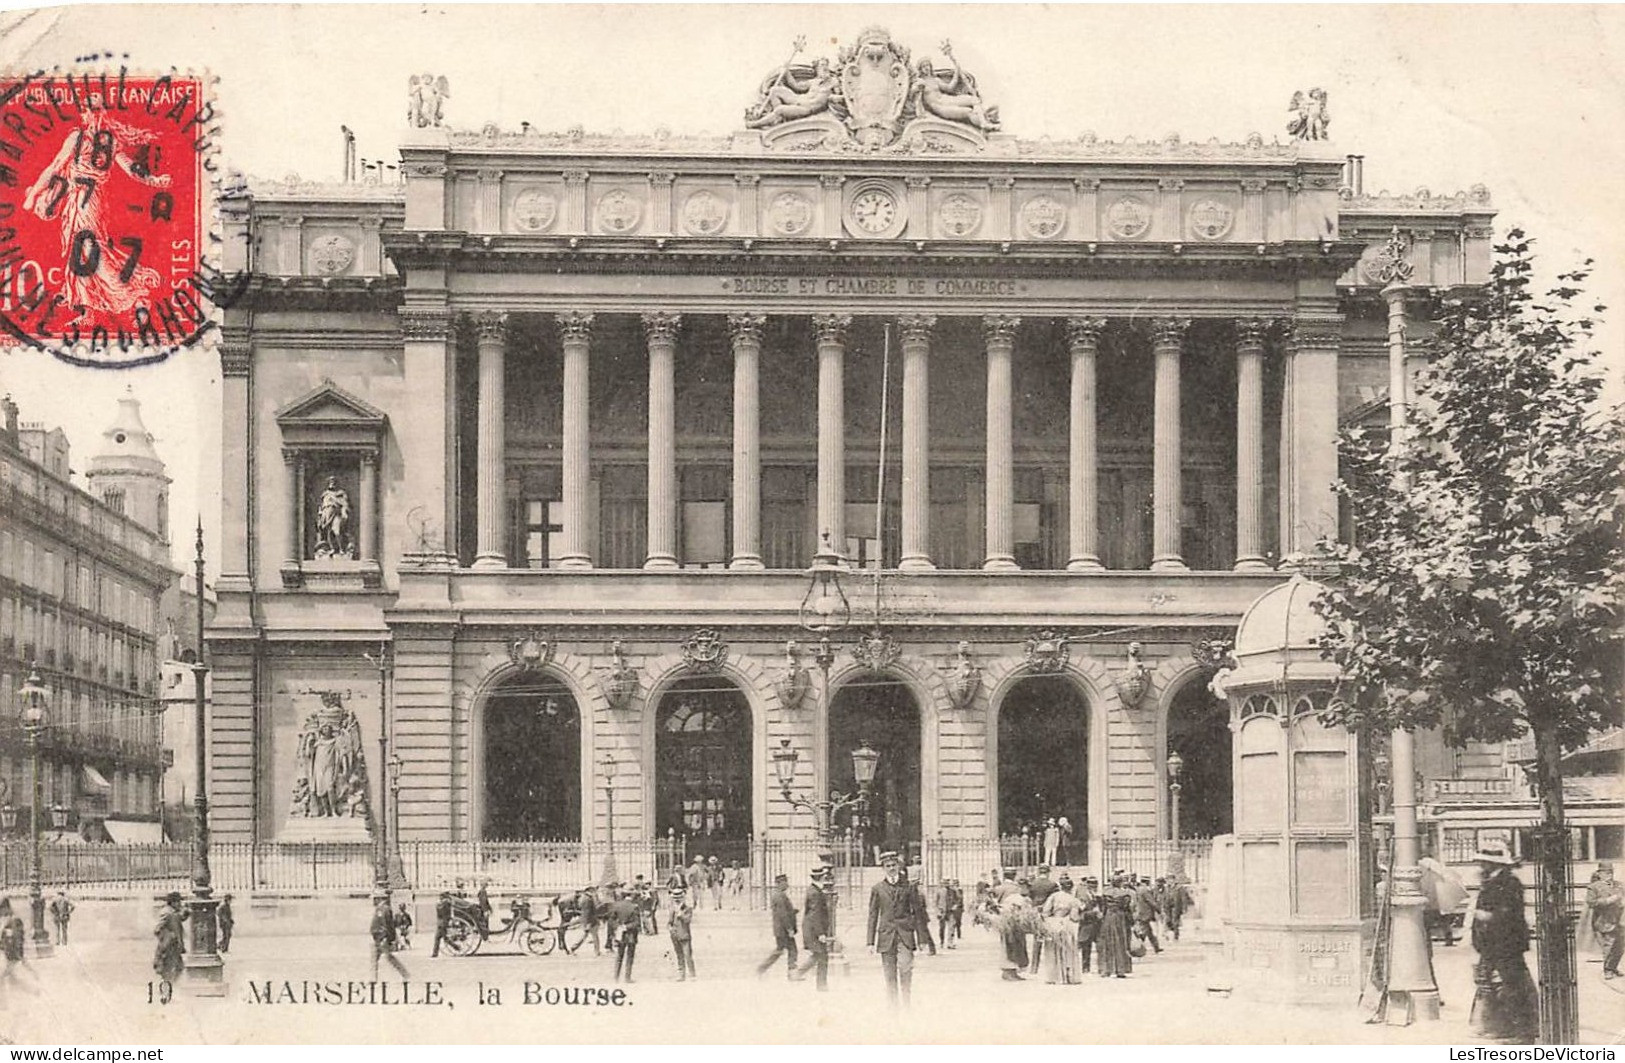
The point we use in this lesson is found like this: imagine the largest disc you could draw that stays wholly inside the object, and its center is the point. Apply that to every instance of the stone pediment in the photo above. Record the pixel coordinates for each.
(331, 417)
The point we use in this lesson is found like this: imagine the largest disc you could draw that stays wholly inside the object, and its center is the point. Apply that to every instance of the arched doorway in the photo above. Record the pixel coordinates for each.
(532, 760)
(1044, 758)
(883, 713)
(1199, 731)
(703, 768)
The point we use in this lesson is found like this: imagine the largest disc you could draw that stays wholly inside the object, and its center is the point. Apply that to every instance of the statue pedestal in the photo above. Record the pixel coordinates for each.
(317, 830)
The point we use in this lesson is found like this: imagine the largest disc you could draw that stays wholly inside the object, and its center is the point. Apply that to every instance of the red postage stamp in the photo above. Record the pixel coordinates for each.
(104, 182)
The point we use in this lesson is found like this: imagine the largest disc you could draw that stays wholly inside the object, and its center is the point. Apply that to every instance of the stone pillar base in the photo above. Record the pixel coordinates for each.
(1169, 563)
(1252, 564)
(1085, 563)
(1002, 563)
(661, 562)
(204, 975)
(916, 564)
(488, 561)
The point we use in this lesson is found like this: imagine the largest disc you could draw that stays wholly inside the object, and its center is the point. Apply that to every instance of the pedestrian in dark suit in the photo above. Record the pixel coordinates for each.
(442, 920)
(784, 928)
(680, 925)
(226, 921)
(626, 921)
(1147, 908)
(167, 960)
(383, 936)
(894, 919)
(950, 916)
(915, 876)
(1089, 923)
(818, 925)
(1505, 1007)
(1038, 891)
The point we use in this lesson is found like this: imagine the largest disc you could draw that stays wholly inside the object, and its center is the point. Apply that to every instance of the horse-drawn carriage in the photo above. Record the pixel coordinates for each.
(469, 928)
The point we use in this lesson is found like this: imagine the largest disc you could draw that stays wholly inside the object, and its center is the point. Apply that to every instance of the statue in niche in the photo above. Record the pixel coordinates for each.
(952, 96)
(331, 773)
(794, 90)
(333, 522)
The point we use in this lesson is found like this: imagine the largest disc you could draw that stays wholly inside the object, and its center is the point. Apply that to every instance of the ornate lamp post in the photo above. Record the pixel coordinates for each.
(609, 817)
(34, 696)
(1412, 991)
(864, 762)
(205, 969)
(1176, 765)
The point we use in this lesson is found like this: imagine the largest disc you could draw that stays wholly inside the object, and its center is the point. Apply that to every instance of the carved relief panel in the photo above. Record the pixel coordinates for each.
(532, 208)
(619, 210)
(789, 210)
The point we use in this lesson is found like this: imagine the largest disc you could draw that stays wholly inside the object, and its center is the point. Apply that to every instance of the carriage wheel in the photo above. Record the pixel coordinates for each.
(539, 942)
(462, 936)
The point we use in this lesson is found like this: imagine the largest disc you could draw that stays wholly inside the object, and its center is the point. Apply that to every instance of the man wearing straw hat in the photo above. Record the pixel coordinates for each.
(1505, 1006)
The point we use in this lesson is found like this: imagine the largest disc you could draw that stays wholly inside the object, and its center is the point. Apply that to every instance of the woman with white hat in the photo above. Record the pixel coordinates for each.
(1505, 1006)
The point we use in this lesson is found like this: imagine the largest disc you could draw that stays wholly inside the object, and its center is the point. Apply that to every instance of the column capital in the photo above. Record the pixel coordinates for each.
(1250, 332)
(832, 180)
(235, 359)
(660, 326)
(575, 326)
(1000, 329)
(291, 456)
(1084, 331)
(575, 177)
(917, 328)
(746, 327)
(369, 458)
(831, 328)
(491, 326)
(747, 180)
(1169, 331)
(1253, 185)
(425, 324)
(663, 177)
(917, 181)
(1315, 333)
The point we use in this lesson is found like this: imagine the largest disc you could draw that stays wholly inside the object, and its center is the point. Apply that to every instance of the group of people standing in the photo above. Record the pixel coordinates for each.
(1066, 927)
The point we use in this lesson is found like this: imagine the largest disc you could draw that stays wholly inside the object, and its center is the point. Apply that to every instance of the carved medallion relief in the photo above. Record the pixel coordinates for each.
(331, 255)
(705, 213)
(1043, 217)
(1128, 218)
(533, 210)
(1212, 220)
(790, 214)
(619, 211)
(959, 214)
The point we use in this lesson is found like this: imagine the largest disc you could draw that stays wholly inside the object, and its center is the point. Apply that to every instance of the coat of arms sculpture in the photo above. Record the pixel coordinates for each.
(870, 96)
(964, 676)
(619, 681)
(796, 683)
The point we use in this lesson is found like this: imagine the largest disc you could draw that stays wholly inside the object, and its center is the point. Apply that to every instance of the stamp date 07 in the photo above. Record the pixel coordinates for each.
(103, 182)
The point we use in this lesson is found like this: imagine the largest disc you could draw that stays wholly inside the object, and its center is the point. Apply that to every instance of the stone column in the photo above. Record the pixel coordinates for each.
(831, 332)
(916, 330)
(236, 361)
(1083, 509)
(1309, 503)
(429, 455)
(747, 343)
(296, 507)
(1167, 341)
(1000, 333)
(492, 328)
(575, 335)
(1250, 444)
(661, 329)
(367, 510)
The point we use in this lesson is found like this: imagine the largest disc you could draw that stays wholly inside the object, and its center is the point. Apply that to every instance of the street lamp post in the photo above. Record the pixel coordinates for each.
(1176, 764)
(864, 762)
(34, 696)
(608, 763)
(205, 969)
(1412, 991)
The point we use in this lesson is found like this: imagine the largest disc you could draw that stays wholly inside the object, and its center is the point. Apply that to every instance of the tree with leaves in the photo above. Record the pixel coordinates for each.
(1485, 587)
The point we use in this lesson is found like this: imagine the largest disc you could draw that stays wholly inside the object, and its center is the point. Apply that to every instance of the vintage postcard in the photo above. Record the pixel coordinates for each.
(785, 524)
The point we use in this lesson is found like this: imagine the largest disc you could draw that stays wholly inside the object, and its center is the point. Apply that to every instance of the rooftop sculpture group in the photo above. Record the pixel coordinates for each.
(872, 91)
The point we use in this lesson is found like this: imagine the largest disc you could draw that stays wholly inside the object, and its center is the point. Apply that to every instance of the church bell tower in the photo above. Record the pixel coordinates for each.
(126, 472)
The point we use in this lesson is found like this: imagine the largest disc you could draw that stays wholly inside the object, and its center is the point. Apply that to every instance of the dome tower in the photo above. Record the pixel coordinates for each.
(127, 473)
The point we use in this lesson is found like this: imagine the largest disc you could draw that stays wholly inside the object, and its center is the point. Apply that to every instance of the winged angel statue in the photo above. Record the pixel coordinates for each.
(1309, 116)
(425, 95)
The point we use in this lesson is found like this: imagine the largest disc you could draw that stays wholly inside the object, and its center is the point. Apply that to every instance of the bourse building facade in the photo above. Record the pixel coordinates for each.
(559, 421)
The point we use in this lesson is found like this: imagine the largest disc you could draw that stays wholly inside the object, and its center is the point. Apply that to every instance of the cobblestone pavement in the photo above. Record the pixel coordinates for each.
(97, 991)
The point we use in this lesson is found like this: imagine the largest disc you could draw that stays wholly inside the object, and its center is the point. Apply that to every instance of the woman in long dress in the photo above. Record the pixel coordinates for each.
(1116, 904)
(1061, 914)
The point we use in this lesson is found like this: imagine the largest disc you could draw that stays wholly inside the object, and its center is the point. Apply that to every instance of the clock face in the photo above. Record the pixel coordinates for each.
(874, 210)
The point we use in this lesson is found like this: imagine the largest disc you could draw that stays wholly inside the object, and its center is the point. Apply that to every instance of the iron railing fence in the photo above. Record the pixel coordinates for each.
(1156, 857)
(321, 867)
(1555, 920)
